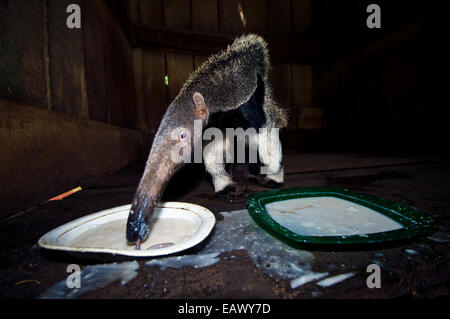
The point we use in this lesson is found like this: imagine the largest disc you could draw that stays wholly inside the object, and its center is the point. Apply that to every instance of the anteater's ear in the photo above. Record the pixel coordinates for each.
(200, 106)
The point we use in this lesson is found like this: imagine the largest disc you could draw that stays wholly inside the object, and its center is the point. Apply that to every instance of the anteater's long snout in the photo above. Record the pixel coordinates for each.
(158, 171)
(139, 218)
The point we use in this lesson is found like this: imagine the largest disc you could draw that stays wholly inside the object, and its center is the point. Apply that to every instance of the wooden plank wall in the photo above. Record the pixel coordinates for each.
(23, 53)
(67, 99)
(396, 81)
(296, 86)
(49, 153)
(86, 73)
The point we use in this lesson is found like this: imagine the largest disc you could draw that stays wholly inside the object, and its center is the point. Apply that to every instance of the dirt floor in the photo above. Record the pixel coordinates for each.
(419, 268)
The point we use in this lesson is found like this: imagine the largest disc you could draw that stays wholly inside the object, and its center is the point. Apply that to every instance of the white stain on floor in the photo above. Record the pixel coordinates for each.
(92, 278)
(306, 278)
(239, 231)
(195, 261)
(330, 281)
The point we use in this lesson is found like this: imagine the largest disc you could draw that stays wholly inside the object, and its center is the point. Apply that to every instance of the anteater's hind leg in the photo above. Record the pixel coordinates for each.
(213, 157)
(270, 155)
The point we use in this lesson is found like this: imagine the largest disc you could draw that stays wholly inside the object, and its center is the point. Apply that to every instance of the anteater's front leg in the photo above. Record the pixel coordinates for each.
(214, 159)
(271, 157)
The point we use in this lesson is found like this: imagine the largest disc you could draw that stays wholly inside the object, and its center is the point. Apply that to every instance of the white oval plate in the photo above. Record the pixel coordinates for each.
(182, 224)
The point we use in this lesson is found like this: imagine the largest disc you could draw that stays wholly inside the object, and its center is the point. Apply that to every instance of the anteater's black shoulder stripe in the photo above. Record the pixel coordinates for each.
(253, 110)
(249, 114)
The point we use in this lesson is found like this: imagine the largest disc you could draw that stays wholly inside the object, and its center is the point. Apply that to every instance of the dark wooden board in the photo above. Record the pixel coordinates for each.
(94, 60)
(230, 17)
(119, 76)
(23, 52)
(67, 73)
(205, 16)
(177, 14)
(151, 12)
(154, 89)
(301, 16)
(302, 93)
(142, 123)
(49, 152)
(281, 50)
(134, 10)
(179, 66)
(279, 21)
(256, 15)
(281, 80)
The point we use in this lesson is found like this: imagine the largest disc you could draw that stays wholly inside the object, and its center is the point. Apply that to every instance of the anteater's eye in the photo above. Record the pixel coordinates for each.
(183, 135)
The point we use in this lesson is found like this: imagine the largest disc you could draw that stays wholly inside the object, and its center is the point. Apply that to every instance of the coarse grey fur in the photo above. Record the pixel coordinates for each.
(228, 79)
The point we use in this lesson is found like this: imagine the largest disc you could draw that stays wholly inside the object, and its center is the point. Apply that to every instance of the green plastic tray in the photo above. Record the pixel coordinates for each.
(414, 222)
